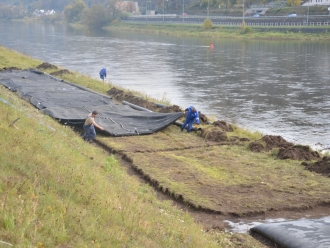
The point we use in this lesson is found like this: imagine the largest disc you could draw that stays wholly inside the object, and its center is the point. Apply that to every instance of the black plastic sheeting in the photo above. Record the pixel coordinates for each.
(304, 233)
(71, 104)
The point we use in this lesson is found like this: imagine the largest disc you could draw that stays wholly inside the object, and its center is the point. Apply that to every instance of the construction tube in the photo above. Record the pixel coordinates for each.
(178, 123)
(136, 106)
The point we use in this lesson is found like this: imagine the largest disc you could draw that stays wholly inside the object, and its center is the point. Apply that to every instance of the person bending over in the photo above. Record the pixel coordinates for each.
(191, 117)
(89, 125)
(103, 73)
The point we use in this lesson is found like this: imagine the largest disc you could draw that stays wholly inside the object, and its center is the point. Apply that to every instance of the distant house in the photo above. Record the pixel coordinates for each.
(50, 12)
(39, 12)
(128, 6)
(316, 2)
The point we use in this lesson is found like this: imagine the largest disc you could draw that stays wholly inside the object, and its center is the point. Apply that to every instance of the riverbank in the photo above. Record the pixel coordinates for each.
(214, 174)
(222, 32)
(57, 190)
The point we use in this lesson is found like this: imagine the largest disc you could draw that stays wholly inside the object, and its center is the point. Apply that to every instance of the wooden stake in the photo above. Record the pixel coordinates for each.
(13, 123)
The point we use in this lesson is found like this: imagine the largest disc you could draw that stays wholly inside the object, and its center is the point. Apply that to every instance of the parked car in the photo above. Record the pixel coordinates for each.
(256, 15)
(292, 15)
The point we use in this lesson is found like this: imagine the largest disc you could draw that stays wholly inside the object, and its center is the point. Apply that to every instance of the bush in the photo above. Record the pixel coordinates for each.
(207, 24)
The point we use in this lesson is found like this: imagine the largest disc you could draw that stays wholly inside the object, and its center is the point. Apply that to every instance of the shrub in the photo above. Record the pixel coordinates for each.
(207, 24)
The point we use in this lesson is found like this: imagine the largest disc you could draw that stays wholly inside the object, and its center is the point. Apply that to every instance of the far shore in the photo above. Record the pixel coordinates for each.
(224, 32)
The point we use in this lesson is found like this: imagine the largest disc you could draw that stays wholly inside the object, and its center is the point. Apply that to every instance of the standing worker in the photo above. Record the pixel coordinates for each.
(89, 124)
(103, 74)
(191, 116)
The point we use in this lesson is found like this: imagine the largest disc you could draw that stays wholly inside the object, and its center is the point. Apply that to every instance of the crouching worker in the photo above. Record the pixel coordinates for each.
(89, 125)
(191, 117)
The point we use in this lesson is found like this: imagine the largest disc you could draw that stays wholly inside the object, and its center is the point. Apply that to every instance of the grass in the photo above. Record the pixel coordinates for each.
(58, 191)
(219, 177)
(224, 32)
(207, 176)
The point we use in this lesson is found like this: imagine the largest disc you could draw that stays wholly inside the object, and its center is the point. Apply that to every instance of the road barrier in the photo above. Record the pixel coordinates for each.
(248, 21)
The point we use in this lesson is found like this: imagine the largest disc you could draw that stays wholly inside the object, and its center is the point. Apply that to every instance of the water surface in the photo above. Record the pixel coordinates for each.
(275, 87)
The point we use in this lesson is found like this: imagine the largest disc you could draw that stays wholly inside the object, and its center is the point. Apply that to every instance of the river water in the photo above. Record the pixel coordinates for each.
(275, 87)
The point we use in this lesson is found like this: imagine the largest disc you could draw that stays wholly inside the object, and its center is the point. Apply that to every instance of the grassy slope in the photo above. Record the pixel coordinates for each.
(218, 31)
(58, 191)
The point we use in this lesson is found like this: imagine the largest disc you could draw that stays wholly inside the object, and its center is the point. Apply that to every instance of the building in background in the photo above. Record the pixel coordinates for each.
(128, 6)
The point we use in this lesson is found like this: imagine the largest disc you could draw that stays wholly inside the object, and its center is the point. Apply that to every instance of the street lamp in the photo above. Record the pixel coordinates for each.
(307, 12)
(163, 9)
(208, 7)
(183, 10)
(146, 9)
(243, 10)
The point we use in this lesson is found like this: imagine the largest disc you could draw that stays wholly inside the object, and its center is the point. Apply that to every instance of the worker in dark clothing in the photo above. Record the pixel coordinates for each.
(103, 73)
(89, 124)
(191, 117)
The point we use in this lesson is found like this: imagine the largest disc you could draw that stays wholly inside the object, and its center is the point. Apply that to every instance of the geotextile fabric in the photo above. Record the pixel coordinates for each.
(71, 103)
(304, 233)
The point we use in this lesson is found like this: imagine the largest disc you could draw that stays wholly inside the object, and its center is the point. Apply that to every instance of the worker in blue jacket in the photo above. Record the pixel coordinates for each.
(191, 117)
(103, 73)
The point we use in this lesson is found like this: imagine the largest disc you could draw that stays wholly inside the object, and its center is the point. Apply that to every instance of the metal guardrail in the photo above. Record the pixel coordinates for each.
(235, 21)
(231, 23)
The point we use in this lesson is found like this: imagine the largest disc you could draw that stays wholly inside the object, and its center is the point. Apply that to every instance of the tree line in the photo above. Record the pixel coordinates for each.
(97, 13)
(93, 13)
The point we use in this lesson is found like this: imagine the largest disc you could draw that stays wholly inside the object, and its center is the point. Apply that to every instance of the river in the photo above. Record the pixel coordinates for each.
(275, 87)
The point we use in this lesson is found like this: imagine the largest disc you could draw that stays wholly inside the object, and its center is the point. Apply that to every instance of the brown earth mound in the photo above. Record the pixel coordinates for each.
(203, 119)
(268, 142)
(298, 153)
(256, 147)
(273, 141)
(46, 65)
(214, 134)
(9, 68)
(321, 167)
(120, 95)
(60, 72)
(223, 125)
(171, 109)
(287, 149)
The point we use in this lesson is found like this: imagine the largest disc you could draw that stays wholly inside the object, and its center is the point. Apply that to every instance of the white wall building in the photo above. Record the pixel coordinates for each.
(317, 2)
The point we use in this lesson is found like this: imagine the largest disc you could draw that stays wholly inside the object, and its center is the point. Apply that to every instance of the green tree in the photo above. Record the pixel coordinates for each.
(73, 12)
(113, 12)
(6, 13)
(12, 12)
(207, 24)
(97, 16)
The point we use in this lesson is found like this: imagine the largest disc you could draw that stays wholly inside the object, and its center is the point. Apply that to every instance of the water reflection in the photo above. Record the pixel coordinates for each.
(276, 87)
